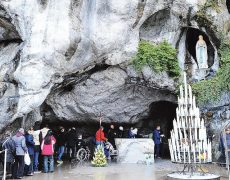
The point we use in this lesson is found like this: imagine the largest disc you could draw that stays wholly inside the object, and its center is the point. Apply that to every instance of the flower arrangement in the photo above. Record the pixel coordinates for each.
(99, 159)
(149, 158)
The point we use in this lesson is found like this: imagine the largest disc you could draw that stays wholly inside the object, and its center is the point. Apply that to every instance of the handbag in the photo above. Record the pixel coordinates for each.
(27, 159)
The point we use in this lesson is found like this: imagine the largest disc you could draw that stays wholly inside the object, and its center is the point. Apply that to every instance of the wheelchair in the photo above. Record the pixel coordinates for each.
(82, 153)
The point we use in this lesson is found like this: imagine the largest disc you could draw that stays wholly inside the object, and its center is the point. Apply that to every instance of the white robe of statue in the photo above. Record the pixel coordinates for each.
(201, 53)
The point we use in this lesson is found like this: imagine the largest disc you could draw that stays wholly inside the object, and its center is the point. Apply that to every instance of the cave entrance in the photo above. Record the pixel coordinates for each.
(228, 5)
(191, 40)
(161, 113)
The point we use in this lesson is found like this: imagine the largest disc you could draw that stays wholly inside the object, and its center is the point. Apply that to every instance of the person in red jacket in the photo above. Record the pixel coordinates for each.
(47, 148)
(100, 136)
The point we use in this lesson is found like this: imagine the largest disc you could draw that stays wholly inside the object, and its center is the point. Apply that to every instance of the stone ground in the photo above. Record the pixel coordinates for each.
(158, 171)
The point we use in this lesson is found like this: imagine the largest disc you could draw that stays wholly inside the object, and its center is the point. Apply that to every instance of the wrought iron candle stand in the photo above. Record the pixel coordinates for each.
(189, 144)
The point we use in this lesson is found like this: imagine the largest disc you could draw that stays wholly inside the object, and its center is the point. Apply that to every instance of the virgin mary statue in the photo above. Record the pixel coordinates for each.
(201, 53)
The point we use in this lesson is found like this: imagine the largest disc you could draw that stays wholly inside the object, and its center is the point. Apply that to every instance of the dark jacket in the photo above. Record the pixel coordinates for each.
(130, 134)
(30, 143)
(61, 139)
(9, 144)
(112, 134)
(120, 134)
(156, 137)
(72, 138)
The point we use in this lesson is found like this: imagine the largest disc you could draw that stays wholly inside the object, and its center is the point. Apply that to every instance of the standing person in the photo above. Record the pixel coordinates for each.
(21, 149)
(134, 132)
(71, 143)
(223, 147)
(130, 133)
(120, 133)
(29, 170)
(100, 136)
(157, 140)
(112, 134)
(43, 133)
(9, 144)
(47, 148)
(37, 148)
(61, 141)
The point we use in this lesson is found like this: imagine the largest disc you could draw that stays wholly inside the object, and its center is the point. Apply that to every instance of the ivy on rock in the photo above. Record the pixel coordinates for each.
(159, 57)
(212, 89)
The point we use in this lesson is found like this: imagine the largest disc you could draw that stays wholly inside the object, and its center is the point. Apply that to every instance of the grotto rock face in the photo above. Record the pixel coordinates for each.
(73, 56)
(105, 92)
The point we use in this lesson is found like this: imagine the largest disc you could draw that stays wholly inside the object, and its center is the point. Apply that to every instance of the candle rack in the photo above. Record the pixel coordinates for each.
(189, 144)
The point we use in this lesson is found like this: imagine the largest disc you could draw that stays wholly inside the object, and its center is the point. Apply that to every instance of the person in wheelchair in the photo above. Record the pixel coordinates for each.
(82, 150)
(110, 151)
(80, 142)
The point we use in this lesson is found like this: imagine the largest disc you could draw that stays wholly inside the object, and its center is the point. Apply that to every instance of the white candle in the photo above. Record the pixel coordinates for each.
(184, 155)
(189, 159)
(190, 94)
(181, 92)
(195, 134)
(194, 102)
(194, 153)
(185, 88)
(178, 150)
(199, 148)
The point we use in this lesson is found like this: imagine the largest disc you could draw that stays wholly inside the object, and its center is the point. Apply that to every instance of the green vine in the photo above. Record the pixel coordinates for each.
(211, 90)
(160, 57)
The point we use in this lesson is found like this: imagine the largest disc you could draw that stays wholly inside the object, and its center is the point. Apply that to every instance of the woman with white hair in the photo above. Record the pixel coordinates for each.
(21, 149)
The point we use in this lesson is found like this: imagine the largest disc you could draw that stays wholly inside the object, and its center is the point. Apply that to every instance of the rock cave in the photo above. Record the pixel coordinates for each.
(62, 63)
(191, 40)
(160, 113)
(228, 5)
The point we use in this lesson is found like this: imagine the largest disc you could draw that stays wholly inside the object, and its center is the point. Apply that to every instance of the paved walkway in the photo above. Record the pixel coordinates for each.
(158, 171)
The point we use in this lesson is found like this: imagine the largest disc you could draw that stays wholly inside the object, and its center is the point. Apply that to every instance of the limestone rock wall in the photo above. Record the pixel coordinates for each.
(73, 56)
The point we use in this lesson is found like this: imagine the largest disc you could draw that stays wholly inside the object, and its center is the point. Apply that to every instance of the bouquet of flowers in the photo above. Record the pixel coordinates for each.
(99, 159)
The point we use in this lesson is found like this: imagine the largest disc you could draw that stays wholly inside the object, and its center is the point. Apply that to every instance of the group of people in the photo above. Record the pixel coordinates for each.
(112, 133)
(40, 145)
(101, 136)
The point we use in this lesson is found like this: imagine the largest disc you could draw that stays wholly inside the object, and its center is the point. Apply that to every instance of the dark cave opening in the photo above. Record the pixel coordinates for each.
(161, 113)
(228, 5)
(191, 40)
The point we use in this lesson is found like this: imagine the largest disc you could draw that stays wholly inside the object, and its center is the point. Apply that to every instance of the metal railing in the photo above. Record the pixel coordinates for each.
(4, 167)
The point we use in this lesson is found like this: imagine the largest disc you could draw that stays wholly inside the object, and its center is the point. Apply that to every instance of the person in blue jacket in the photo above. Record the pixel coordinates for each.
(222, 146)
(157, 140)
(29, 171)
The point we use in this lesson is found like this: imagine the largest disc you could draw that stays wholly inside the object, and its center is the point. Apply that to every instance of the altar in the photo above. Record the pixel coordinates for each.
(138, 150)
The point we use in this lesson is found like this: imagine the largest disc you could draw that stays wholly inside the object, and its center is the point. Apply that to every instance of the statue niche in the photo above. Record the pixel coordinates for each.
(201, 53)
